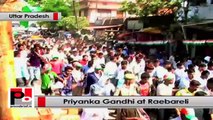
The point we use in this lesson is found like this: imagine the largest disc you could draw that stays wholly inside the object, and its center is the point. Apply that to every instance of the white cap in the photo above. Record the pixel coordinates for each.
(207, 58)
(75, 49)
(98, 67)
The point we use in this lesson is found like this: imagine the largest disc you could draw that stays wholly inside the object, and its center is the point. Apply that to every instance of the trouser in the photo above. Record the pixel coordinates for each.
(46, 91)
(35, 72)
(114, 81)
(20, 82)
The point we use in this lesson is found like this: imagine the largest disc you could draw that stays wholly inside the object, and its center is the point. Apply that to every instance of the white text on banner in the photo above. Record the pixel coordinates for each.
(123, 102)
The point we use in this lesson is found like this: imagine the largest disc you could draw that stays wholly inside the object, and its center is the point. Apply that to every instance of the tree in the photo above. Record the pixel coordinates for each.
(144, 8)
(69, 23)
(63, 6)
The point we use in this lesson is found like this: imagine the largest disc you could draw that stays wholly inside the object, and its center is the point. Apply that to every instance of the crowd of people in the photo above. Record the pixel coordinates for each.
(71, 67)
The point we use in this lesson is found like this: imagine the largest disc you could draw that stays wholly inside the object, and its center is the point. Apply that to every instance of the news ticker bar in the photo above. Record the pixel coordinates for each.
(35, 16)
(123, 102)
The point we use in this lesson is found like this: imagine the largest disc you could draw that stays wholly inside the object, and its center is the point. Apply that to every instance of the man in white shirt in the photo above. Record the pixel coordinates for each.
(101, 59)
(203, 78)
(201, 68)
(210, 69)
(103, 87)
(208, 113)
(185, 81)
(22, 50)
(111, 68)
(75, 56)
(22, 74)
(165, 89)
(120, 74)
(159, 70)
(180, 71)
(138, 66)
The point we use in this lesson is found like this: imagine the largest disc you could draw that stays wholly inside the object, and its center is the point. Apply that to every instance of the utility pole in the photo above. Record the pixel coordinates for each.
(74, 11)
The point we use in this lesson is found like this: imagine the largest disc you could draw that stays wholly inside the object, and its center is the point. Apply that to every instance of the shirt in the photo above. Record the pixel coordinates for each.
(211, 73)
(144, 89)
(110, 69)
(47, 79)
(24, 54)
(101, 60)
(77, 75)
(57, 66)
(202, 81)
(21, 68)
(34, 60)
(180, 73)
(127, 91)
(184, 83)
(164, 90)
(68, 87)
(184, 92)
(160, 72)
(120, 77)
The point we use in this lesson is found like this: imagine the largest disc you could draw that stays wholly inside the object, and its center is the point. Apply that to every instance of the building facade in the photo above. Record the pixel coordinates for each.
(99, 9)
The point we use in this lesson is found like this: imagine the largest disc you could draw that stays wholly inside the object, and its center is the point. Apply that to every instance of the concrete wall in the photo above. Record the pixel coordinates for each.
(205, 12)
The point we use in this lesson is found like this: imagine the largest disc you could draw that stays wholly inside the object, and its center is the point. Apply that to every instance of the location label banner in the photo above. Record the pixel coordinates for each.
(123, 102)
(22, 16)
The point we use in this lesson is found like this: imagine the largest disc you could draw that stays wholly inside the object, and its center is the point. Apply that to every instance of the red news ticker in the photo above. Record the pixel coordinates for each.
(41, 102)
(55, 16)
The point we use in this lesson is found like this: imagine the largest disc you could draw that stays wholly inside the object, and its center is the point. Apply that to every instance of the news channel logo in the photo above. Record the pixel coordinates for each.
(21, 97)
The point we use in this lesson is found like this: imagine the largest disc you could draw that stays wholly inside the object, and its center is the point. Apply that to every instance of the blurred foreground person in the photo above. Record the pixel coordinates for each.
(97, 89)
(103, 87)
(22, 75)
(166, 89)
(208, 113)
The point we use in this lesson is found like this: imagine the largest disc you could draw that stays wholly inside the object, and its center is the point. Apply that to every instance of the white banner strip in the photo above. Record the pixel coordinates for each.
(124, 102)
(35, 16)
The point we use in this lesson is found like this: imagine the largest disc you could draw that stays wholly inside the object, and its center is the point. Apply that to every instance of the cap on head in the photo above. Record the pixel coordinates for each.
(78, 65)
(129, 76)
(55, 57)
(98, 67)
(207, 58)
(168, 76)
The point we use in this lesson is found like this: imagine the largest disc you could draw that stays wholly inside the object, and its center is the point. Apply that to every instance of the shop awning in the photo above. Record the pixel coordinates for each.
(204, 25)
(156, 42)
(151, 30)
(36, 38)
(198, 42)
(102, 27)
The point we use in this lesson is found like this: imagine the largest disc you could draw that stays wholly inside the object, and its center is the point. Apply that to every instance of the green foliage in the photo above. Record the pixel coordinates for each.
(151, 7)
(33, 2)
(70, 23)
(63, 6)
(56, 6)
